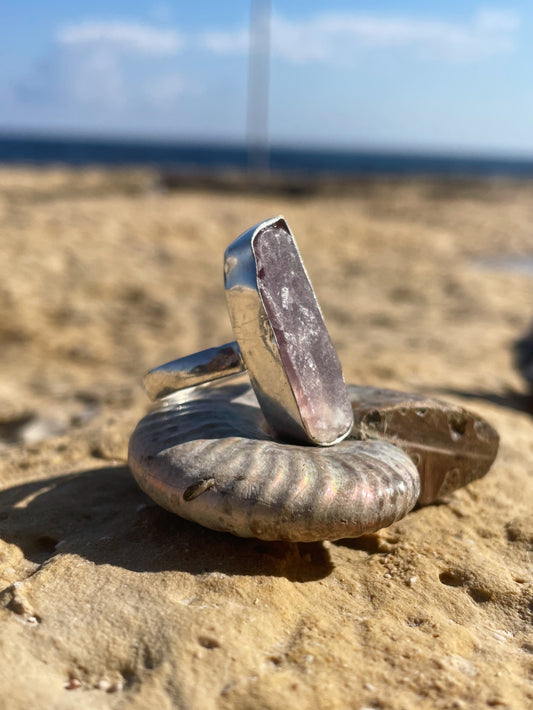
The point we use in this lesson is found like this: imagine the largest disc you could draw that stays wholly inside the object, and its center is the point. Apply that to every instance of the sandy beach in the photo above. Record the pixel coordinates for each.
(108, 601)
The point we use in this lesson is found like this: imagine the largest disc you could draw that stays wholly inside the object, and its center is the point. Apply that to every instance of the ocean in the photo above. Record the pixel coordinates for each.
(203, 157)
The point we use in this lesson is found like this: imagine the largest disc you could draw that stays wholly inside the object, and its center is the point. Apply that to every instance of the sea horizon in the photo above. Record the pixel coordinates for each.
(42, 149)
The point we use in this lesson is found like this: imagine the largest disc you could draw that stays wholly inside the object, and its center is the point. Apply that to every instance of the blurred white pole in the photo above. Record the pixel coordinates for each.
(258, 86)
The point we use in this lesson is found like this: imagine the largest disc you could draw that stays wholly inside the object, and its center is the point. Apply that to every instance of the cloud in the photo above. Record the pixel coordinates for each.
(166, 90)
(126, 71)
(235, 42)
(122, 36)
(108, 67)
(331, 36)
(62, 79)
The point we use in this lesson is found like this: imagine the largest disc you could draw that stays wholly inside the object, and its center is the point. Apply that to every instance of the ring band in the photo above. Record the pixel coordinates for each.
(197, 369)
(282, 341)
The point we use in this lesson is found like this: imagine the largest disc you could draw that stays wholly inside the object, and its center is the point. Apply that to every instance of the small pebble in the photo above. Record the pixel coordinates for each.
(115, 687)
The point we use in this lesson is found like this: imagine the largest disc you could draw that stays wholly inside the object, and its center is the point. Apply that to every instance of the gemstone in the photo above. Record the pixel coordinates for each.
(309, 358)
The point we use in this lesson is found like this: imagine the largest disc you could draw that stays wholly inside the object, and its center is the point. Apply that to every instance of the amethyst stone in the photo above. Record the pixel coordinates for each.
(282, 337)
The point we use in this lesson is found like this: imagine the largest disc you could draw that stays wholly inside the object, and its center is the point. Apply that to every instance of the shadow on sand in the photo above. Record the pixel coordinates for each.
(510, 400)
(102, 515)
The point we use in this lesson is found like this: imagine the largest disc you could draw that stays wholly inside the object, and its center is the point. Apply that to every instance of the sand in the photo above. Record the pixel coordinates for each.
(108, 601)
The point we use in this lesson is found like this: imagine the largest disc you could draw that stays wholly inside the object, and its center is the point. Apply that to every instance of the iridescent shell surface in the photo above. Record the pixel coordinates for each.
(207, 455)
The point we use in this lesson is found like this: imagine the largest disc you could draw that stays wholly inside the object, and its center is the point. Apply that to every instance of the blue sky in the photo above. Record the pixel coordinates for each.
(404, 75)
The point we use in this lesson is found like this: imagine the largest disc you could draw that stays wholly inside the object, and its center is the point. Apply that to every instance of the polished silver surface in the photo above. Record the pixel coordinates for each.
(282, 341)
(292, 363)
(208, 455)
(204, 366)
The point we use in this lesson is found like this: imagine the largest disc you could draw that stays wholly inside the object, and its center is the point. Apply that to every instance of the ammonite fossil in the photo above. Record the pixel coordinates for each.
(246, 463)
(207, 454)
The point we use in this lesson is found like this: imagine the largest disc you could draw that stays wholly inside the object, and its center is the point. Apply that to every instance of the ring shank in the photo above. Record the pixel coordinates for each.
(196, 369)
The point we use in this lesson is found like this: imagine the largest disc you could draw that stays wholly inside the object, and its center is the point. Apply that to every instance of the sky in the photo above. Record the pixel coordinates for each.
(413, 75)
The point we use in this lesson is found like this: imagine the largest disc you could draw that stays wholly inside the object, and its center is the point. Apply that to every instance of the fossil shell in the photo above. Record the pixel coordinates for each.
(451, 446)
(207, 455)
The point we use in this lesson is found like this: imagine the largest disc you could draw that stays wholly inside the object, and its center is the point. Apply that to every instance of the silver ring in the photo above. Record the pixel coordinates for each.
(281, 341)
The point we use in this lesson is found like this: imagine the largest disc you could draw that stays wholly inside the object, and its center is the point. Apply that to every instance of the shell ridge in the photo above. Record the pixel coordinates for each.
(263, 487)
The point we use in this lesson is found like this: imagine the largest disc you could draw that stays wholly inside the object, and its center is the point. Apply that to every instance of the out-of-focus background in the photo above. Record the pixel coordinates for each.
(449, 80)
(137, 140)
